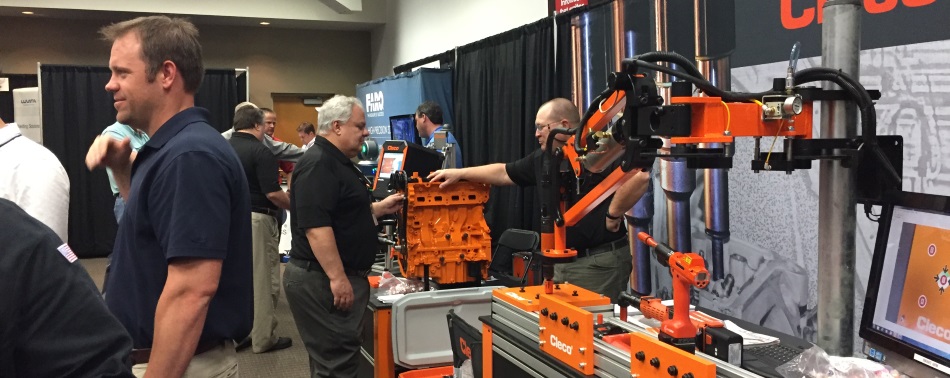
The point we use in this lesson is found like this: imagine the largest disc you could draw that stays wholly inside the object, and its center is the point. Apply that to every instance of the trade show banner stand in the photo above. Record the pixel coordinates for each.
(26, 112)
(400, 95)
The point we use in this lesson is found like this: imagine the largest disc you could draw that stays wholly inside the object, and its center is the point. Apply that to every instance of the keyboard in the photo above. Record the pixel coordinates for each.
(778, 352)
(763, 360)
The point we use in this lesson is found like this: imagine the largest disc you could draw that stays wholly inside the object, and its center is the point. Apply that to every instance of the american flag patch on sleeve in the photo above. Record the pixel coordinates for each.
(67, 253)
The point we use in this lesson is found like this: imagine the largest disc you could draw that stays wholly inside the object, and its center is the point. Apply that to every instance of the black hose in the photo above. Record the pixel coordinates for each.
(703, 84)
(692, 74)
(856, 90)
(672, 57)
(593, 107)
(866, 106)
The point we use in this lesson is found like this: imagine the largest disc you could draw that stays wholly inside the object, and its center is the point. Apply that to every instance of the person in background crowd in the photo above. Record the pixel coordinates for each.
(33, 178)
(137, 139)
(306, 132)
(281, 150)
(268, 200)
(428, 122)
(270, 126)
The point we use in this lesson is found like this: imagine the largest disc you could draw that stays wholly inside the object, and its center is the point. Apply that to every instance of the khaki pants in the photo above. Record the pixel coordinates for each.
(266, 278)
(606, 273)
(220, 362)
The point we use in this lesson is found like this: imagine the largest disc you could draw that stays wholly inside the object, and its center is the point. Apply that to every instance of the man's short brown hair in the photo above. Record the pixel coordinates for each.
(164, 39)
(306, 128)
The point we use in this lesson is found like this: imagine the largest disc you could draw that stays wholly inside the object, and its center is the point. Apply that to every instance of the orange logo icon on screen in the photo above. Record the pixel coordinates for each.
(943, 279)
(932, 250)
(922, 301)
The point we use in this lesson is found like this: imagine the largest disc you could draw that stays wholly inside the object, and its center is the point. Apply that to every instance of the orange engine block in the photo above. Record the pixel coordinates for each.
(446, 230)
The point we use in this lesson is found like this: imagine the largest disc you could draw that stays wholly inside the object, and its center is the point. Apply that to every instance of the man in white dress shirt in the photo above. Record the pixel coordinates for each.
(307, 134)
(33, 178)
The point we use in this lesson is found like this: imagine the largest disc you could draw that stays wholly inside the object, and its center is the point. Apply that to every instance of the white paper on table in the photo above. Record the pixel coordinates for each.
(750, 338)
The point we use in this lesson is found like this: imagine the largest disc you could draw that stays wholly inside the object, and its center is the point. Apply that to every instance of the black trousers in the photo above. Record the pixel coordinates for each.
(332, 337)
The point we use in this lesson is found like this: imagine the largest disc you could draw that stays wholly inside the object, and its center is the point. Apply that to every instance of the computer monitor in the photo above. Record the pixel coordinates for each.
(403, 127)
(906, 318)
(391, 162)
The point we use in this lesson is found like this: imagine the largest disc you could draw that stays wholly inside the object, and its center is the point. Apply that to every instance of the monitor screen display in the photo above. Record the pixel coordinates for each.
(911, 278)
(391, 162)
(404, 128)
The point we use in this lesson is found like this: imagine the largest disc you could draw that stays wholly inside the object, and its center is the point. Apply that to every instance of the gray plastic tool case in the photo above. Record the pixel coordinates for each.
(420, 334)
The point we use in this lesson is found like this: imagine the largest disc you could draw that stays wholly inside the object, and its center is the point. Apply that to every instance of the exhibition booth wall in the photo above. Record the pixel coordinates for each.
(400, 95)
(771, 258)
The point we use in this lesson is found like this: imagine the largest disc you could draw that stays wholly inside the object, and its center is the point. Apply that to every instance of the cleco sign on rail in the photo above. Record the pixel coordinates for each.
(555, 342)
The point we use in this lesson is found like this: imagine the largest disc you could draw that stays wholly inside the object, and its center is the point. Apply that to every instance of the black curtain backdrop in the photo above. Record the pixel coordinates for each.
(219, 94)
(500, 83)
(76, 108)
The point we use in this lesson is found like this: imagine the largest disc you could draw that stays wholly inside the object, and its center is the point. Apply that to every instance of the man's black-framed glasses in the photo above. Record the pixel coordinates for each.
(539, 127)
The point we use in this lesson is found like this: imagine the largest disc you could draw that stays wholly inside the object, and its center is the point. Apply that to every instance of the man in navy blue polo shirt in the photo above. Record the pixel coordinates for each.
(182, 255)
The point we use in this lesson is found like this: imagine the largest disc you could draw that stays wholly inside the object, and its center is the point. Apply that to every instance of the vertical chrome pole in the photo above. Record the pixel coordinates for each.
(676, 180)
(840, 49)
(715, 41)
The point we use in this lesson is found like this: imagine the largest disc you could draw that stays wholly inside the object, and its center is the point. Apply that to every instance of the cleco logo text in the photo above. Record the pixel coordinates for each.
(925, 325)
(561, 346)
(374, 101)
(811, 13)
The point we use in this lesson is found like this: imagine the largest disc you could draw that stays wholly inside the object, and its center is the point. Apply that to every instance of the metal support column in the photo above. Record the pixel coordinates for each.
(840, 48)
(715, 42)
(677, 181)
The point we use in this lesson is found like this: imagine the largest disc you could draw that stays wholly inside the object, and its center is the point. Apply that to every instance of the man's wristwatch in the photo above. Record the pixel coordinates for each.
(611, 217)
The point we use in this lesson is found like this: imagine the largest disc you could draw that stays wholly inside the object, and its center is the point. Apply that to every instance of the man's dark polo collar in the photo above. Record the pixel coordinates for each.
(332, 150)
(176, 124)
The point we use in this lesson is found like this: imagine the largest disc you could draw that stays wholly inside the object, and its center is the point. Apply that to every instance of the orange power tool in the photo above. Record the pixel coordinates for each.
(688, 269)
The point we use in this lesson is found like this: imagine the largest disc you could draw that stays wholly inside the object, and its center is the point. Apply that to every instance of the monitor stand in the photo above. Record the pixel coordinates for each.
(904, 365)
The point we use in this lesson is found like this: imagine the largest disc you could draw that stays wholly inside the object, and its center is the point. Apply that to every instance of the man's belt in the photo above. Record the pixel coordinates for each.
(266, 211)
(606, 247)
(141, 356)
(315, 266)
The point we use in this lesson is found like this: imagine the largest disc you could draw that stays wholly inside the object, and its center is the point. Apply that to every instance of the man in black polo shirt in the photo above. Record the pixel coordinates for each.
(55, 327)
(182, 256)
(267, 201)
(603, 255)
(334, 240)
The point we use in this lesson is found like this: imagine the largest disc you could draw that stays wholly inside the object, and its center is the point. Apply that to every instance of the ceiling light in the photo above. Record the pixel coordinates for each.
(27, 12)
(265, 23)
